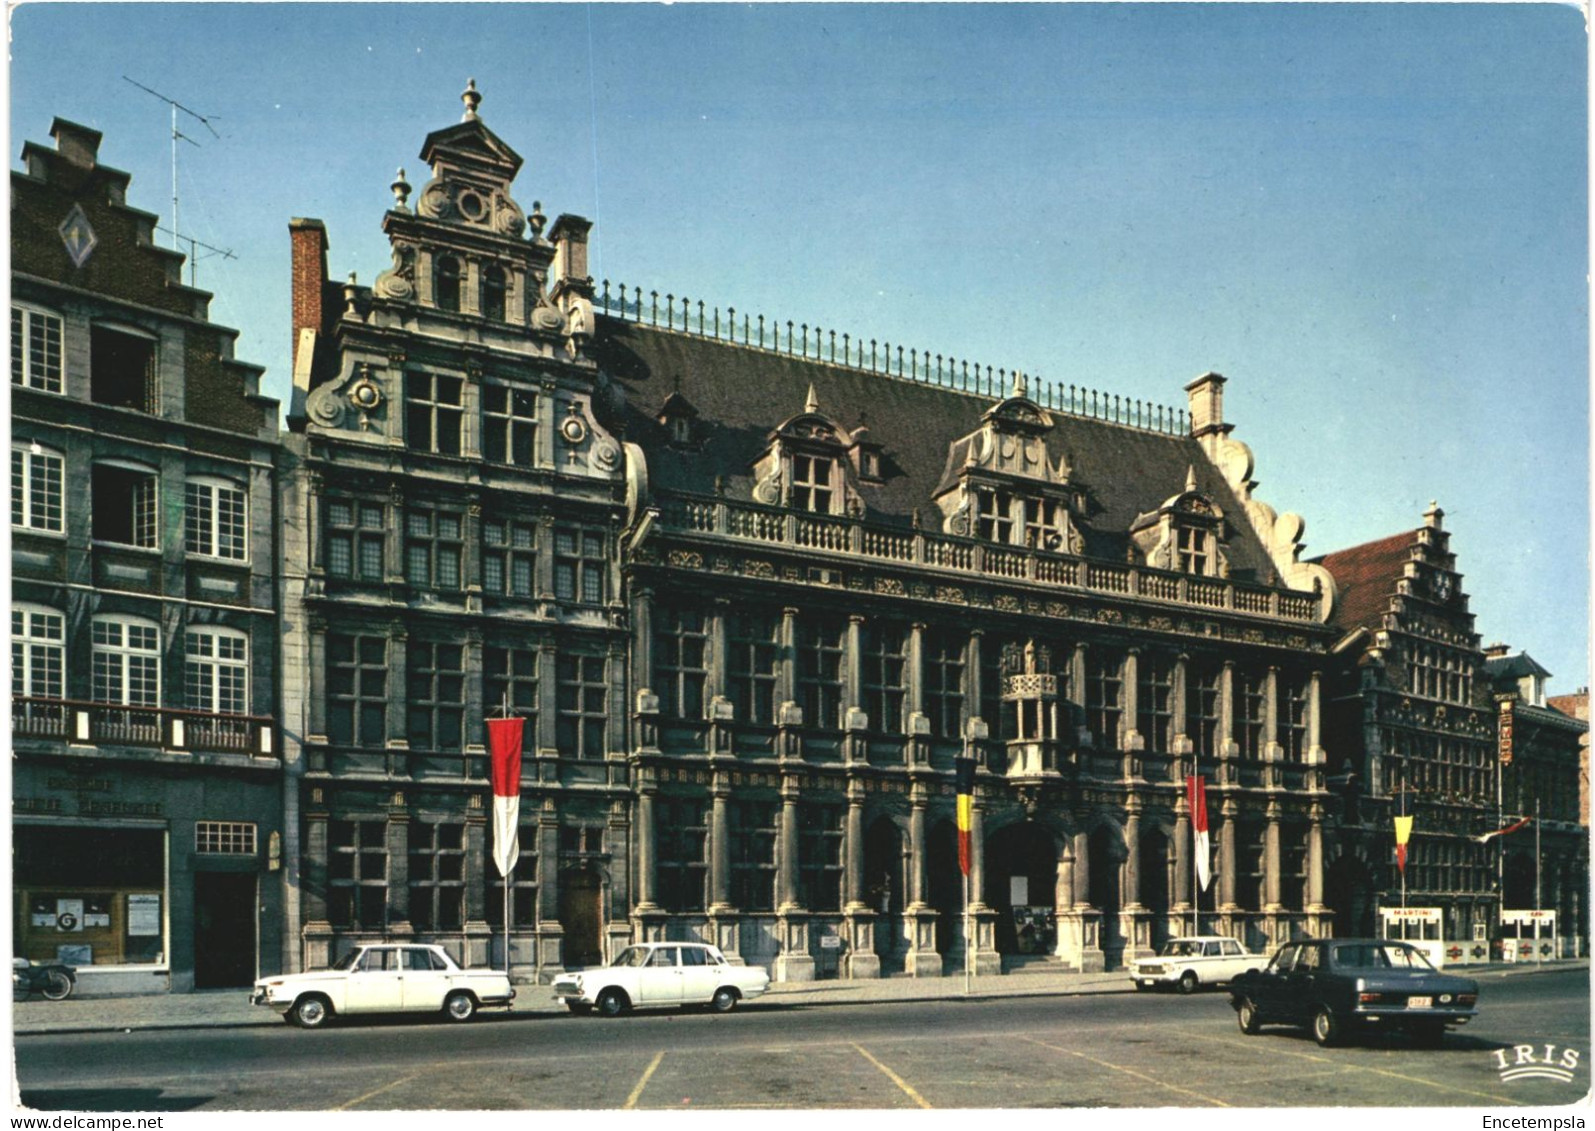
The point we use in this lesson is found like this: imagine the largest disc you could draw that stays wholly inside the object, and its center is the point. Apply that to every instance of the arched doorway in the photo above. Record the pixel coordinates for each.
(1350, 891)
(883, 883)
(1107, 856)
(581, 916)
(1026, 911)
(946, 886)
(1153, 865)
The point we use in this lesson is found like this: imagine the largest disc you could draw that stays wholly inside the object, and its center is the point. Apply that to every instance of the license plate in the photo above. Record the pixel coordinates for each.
(1420, 1003)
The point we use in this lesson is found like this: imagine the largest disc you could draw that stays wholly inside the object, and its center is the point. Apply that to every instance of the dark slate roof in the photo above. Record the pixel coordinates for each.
(742, 394)
(1510, 669)
(1365, 579)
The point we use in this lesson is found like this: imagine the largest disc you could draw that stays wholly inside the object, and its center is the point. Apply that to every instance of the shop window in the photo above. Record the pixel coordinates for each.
(495, 292)
(35, 349)
(682, 835)
(436, 695)
(433, 410)
(216, 519)
(433, 547)
(357, 874)
(225, 838)
(437, 875)
(357, 689)
(126, 662)
(217, 676)
(36, 482)
(509, 557)
(821, 644)
(509, 425)
(122, 369)
(124, 504)
(355, 536)
(579, 565)
(446, 283)
(89, 895)
(752, 827)
(510, 686)
(680, 647)
(820, 856)
(943, 681)
(582, 699)
(885, 676)
(522, 885)
(38, 652)
(753, 643)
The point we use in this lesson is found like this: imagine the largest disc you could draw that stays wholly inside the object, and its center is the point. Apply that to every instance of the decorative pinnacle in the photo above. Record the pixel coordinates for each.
(1190, 477)
(1019, 388)
(472, 100)
(813, 402)
(536, 220)
(401, 193)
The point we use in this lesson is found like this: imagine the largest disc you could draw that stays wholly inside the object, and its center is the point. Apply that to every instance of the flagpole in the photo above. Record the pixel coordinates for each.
(1196, 870)
(969, 943)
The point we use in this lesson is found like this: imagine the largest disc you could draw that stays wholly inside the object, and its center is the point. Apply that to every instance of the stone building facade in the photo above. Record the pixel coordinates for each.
(147, 775)
(754, 588)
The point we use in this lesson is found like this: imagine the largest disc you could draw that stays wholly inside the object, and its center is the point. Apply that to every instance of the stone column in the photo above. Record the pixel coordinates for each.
(1315, 859)
(1272, 861)
(1135, 925)
(787, 855)
(919, 919)
(974, 683)
(1130, 703)
(397, 843)
(1079, 924)
(1184, 886)
(1227, 745)
(1226, 855)
(646, 860)
(550, 931)
(858, 919)
(794, 963)
(987, 960)
(723, 915)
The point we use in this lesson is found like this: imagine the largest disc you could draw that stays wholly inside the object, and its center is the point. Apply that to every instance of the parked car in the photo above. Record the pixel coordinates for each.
(386, 978)
(661, 974)
(1335, 987)
(1194, 961)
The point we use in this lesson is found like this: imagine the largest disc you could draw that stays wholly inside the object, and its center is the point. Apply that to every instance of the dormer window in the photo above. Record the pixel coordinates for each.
(811, 483)
(447, 283)
(495, 292)
(680, 430)
(1195, 551)
(994, 515)
(1185, 535)
(869, 465)
(1046, 523)
(807, 466)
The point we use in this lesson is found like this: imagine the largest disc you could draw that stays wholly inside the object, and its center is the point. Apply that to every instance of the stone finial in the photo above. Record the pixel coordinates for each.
(472, 100)
(350, 290)
(1434, 515)
(1190, 478)
(1019, 384)
(813, 402)
(536, 221)
(401, 193)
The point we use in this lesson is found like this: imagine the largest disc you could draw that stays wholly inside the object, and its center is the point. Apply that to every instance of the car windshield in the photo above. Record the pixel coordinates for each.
(632, 956)
(1380, 956)
(346, 962)
(1181, 948)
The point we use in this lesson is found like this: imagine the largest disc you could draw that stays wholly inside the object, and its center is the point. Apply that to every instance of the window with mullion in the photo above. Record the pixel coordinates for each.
(522, 884)
(583, 707)
(1044, 524)
(680, 647)
(217, 676)
(885, 675)
(942, 661)
(1104, 695)
(357, 689)
(436, 677)
(357, 874)
(433, 547)
(355, 537)
(215, 520)
(509, 557)
(124, 505)
(820, 856)
(35, 349)
(821, 643)
(682, 836)
(753, 662)
(437, 875)
(37, 476)
(579, 565)
(1293, 715)
(752, 827)
(1154, 700)
(38, 652)
(433, 412)
(1249, 706)
(510, 678)
(509, 428)
(126, 662)
(993, 515)
(1202, 709)
(1193, 550)
(811, 483)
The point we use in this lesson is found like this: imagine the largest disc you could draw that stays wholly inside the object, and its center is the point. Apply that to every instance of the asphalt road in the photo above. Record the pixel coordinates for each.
(1118, 1050)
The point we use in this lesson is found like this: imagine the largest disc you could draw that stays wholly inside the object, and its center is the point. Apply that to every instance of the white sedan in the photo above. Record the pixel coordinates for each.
(1187, 963)
(661, 974)
(396, 978)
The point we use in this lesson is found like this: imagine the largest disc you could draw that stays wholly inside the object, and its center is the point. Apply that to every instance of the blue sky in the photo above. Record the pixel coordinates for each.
(1373, 219)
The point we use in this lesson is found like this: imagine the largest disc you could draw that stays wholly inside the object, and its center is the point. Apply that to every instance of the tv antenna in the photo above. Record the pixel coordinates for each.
(177, 135)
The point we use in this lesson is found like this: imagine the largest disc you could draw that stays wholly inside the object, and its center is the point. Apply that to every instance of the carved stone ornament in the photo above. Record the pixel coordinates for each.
(574, 428)
(545, 317)
(398, 282)
(325, 407)
(606, 456)
(508, 218)
(768, 489)
(436, 201)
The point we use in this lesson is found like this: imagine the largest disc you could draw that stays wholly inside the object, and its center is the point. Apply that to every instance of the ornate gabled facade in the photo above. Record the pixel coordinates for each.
(146, 770)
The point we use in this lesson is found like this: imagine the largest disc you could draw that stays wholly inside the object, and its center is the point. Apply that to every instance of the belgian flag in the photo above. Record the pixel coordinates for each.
(964, 772)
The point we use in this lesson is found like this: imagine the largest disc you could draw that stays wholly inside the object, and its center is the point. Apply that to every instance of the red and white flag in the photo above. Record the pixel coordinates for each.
(1487, 837)
(1196, 788)
(504, 741)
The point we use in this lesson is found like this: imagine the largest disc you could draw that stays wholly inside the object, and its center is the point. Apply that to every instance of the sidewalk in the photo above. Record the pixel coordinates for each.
(215, 1009)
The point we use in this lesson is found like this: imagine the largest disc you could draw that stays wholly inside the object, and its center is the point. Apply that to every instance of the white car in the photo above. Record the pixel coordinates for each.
(661, 974)
(387, 978)
(1201, 960)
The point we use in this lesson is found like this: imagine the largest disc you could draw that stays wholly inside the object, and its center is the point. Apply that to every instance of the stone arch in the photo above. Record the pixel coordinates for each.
(1027, 849)
(886, 880)
(1348, 886)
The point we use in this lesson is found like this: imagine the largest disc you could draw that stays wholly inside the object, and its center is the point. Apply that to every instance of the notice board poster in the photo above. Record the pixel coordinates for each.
(143, 914)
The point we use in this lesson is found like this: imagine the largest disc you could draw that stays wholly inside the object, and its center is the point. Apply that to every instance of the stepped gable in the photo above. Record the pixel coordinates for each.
(1365, 578)
(741, 394)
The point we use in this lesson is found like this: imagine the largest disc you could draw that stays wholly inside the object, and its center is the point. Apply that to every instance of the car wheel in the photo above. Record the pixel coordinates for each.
(724, 1000)
(1326, 1027)
(1246, 1013)
(310, 1012)
(57, 986)
(612, 1003)
(1189, 982)
(459, 1006)
(580, 1008)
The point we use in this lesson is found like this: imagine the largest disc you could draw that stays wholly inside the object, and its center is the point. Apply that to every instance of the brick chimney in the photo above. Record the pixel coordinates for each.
(309, 259)
(77, 144)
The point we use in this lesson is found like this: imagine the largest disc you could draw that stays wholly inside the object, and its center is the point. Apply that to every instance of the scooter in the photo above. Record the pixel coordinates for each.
(51, 979)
